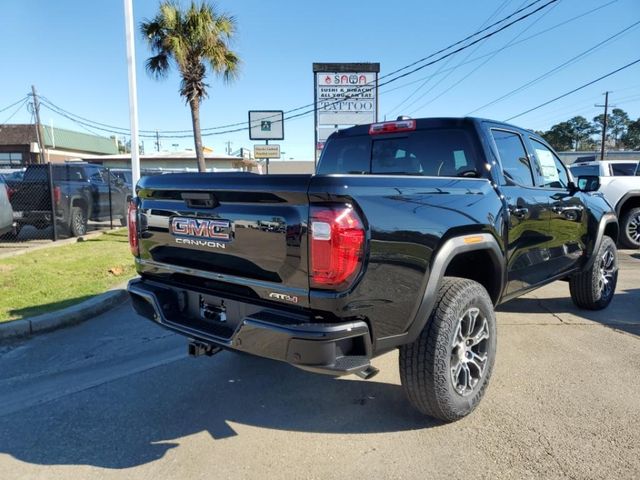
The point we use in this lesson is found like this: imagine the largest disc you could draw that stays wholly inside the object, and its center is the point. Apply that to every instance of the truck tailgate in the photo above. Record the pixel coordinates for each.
(236, 228)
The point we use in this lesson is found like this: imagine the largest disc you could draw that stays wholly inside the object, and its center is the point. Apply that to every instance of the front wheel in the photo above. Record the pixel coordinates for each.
(593, 289)
(445, 372)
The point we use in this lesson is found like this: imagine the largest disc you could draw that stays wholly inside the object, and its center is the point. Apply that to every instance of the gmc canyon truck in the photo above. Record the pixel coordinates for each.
(407, 237)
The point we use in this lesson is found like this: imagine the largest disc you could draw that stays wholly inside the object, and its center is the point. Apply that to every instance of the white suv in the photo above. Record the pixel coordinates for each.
(620, 184)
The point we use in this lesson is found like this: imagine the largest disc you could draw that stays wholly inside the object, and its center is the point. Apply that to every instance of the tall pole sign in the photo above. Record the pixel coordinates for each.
(345, 94)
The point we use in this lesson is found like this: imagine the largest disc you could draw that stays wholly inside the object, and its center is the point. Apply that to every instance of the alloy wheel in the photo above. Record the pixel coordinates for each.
(633, 228)
(608, 271)
(469, 351)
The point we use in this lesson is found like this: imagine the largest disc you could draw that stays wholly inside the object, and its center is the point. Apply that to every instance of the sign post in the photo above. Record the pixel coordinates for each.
(266, 125)
(345, 94)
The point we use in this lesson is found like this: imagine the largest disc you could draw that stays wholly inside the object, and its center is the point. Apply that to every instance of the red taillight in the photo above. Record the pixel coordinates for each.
(10, 192)
(132, 221)
(392, 127)
(336, 246)
(57, 195)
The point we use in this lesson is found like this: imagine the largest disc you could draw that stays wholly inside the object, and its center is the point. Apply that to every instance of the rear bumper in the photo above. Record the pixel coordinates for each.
(335, 349)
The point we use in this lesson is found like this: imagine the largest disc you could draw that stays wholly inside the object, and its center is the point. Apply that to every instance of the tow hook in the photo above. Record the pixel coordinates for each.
(367, 372)
(197, 349)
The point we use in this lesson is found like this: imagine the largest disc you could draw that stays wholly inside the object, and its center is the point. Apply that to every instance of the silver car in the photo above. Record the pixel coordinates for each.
(6, 212)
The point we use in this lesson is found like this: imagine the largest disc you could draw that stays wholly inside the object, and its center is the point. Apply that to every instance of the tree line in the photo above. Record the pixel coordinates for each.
(578, 133)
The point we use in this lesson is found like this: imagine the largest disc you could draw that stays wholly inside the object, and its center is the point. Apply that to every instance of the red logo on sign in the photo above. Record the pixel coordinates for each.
(327, 79)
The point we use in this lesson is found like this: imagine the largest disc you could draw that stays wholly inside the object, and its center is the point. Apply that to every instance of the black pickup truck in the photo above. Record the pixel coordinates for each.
(408, 236)
(81, 192)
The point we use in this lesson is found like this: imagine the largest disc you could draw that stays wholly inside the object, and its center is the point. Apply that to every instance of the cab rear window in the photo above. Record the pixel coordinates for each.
(435, 152)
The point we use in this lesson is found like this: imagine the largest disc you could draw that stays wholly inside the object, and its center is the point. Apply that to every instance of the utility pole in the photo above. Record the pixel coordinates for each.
(604, 122)
(228, 144)
(157, 141)
(39, 136)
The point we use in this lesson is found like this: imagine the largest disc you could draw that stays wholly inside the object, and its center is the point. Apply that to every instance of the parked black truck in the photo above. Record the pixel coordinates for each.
(408, 236)
(81, 192)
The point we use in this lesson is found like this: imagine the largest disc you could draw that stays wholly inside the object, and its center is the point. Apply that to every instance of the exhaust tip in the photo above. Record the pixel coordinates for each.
(367, 372)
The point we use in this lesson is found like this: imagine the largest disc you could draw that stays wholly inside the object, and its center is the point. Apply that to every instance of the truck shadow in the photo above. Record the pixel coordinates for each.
(621, 314)
(136, 420)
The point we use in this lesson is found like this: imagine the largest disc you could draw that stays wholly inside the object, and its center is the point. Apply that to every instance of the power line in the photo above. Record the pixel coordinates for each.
(13, 104)
(505, 47)
(477, 67)
(428, 79)
(557, 68)
(208, 132)
(575, 89)
(14, 113)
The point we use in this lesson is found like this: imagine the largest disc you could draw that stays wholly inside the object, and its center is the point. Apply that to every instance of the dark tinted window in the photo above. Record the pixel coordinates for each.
(585, 170)
(513, 157)
(37, 173)
(623, 169)
(437, 152)
(553, 171)
(345, 155)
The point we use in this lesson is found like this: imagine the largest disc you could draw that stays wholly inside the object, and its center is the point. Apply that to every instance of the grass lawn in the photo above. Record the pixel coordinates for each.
(53, 278)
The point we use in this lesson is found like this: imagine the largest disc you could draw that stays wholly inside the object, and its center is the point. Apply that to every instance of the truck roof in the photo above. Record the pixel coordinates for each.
(428, 122)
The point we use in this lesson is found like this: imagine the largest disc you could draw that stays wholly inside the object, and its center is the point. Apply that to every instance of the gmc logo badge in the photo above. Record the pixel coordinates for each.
(201, 228)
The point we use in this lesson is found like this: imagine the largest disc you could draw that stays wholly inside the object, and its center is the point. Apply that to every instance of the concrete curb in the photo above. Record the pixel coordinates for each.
(65, 317)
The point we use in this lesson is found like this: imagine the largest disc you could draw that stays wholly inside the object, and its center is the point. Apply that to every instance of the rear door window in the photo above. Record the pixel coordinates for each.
(623, 169)
(513, 156)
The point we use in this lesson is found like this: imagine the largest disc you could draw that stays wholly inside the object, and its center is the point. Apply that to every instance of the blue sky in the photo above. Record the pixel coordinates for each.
(74, 52)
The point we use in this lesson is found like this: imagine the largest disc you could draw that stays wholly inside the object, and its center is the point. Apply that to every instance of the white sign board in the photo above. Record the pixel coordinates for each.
(266, 125)
(346, 98)
(266, 151)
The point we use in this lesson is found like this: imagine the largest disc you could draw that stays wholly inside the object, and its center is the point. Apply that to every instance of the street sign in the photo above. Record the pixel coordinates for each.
(266, 124)
(266, 151)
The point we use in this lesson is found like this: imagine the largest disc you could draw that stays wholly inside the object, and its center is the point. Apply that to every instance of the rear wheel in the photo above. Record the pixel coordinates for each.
(630, 225)
(593, 289)
(78, 222)
(445, 372)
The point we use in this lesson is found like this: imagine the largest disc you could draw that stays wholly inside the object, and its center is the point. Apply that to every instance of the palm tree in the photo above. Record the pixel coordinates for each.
(195, 40)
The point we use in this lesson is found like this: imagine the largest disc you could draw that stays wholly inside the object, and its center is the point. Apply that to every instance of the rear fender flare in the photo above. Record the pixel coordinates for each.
(445, 254)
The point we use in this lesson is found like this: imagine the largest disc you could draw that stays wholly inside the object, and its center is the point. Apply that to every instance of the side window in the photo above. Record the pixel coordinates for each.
(554, 174)
(513, 156)
(623, 169)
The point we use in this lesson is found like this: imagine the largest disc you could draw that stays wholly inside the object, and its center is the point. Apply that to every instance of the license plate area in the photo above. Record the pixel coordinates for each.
(212, 314)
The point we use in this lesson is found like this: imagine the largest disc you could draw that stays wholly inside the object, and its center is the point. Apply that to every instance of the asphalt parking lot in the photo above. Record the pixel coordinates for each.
(117, 397)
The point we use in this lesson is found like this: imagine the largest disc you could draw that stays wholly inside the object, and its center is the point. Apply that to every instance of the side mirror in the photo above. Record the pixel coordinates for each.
(588, 183)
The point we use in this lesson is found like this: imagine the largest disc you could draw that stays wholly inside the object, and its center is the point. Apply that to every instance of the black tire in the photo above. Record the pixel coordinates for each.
(123, 221)
(594, 288)
(77, 222)
(630, 229)
(426, 365)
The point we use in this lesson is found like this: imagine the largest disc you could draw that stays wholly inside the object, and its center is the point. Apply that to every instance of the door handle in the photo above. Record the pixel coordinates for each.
(571, 208)
(519, 212)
